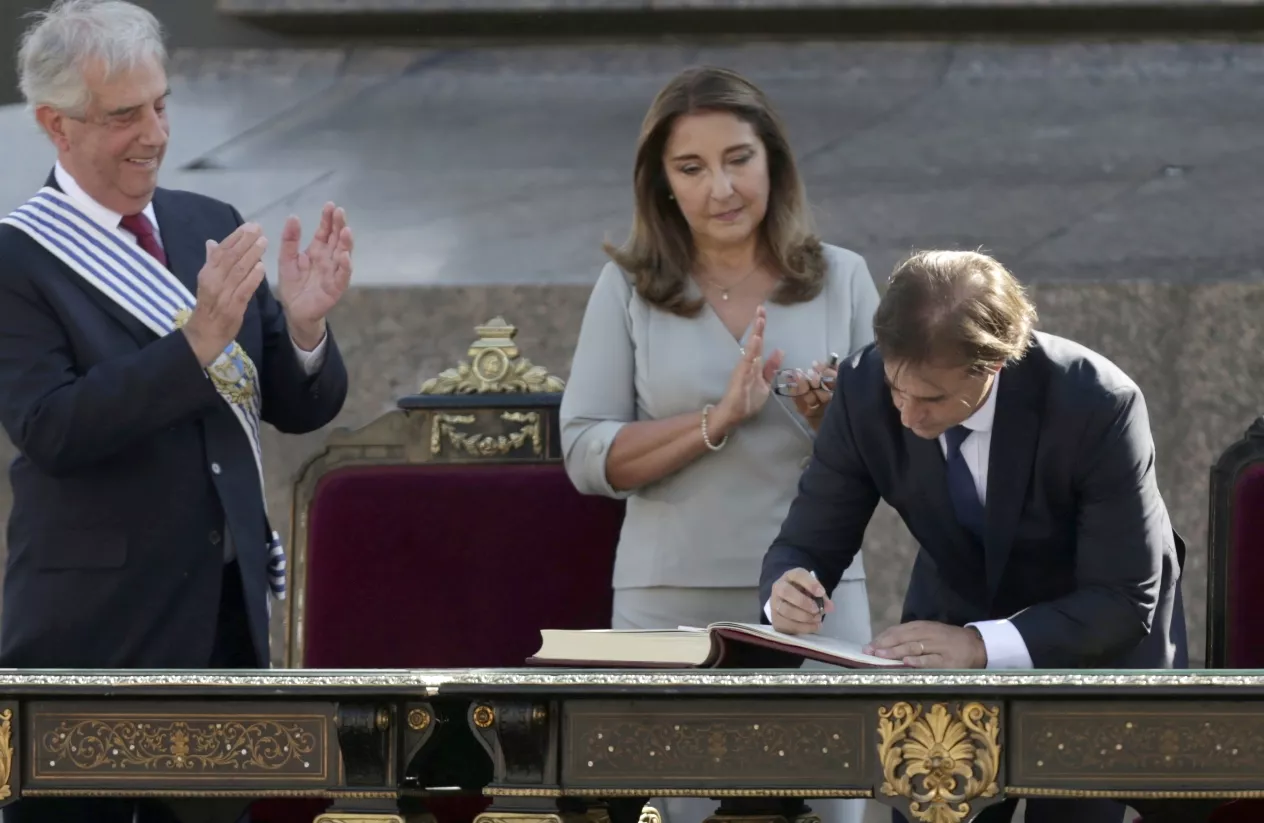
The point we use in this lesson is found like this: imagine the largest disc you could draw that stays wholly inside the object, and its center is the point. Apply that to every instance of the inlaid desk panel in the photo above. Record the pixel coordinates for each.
(939, 746)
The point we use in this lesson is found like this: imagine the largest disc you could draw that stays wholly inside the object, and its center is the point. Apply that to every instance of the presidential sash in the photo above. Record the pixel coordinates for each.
(154, 296)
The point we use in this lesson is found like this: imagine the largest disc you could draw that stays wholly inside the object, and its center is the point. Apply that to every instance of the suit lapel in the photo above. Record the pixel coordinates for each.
(1015, 436)
(186, 251)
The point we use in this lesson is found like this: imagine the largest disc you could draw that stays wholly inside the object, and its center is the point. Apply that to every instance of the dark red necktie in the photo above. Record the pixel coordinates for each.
(139, 225)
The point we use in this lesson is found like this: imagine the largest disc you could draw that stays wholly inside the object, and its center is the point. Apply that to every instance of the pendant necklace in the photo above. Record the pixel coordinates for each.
(724, 290)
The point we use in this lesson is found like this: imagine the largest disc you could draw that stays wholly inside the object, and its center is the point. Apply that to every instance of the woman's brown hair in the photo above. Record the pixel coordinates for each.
(659, 252)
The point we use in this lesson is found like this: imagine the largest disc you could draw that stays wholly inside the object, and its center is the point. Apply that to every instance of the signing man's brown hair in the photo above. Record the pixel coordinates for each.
(953, 308)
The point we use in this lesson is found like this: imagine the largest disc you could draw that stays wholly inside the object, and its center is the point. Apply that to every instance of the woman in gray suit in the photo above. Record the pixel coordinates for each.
(681, 396)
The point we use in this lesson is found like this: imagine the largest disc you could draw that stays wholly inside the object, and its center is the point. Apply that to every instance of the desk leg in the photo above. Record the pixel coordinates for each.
(370, 736)
(763, 810)
(535, 810)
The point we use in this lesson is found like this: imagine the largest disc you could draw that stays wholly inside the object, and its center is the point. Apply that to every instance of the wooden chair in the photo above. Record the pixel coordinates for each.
(1235, 575)
(445, 534)
(1235, 555)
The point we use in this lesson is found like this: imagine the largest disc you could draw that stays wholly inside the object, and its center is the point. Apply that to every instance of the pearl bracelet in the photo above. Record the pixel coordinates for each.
(706, 438)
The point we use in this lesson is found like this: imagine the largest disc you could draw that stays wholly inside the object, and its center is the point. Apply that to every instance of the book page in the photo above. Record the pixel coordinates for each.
(842, 649)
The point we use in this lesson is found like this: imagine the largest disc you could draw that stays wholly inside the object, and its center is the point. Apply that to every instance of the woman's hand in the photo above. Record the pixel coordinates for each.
(750, 383)
(812, 403)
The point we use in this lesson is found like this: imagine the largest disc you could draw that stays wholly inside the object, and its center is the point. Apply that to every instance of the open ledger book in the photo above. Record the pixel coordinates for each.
(691, 648)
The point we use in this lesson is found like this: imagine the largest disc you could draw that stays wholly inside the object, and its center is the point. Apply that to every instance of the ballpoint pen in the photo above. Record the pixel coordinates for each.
(820, 601)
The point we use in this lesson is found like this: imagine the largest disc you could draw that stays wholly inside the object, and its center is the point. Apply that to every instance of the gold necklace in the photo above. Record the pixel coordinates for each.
(724, 290)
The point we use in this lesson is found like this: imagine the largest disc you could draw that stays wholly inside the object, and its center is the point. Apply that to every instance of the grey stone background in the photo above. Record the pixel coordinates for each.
(1119, 179)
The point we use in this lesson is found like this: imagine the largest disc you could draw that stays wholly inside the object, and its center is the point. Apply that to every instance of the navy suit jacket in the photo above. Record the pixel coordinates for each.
(1079, 550)
(130, 465)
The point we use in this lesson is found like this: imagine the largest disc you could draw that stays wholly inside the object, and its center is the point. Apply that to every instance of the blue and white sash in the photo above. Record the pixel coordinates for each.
(142, 286)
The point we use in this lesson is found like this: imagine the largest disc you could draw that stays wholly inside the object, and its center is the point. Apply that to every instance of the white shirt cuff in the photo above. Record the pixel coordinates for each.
(311, 361)
(768, 610)
(1005, 646)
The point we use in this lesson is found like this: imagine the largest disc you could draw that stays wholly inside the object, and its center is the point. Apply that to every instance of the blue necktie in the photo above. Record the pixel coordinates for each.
(961, 488)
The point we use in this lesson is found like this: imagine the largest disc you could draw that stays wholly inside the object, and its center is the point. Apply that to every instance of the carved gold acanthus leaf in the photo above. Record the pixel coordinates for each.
(494, 367)
(6, 753)
(939, 761)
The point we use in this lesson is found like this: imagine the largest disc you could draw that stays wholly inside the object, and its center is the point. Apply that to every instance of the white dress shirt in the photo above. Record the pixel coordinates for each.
(1005, 647)
(110, 220)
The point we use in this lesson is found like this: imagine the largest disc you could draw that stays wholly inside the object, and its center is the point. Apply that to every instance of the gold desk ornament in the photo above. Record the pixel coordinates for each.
(938, 761)
(484, 716)
(418, 719)
(494, 367)
(478, 444)
(6, 754)
(650, 814)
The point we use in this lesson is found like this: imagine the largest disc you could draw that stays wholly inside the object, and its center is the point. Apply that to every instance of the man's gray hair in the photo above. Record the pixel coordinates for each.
(53, 51)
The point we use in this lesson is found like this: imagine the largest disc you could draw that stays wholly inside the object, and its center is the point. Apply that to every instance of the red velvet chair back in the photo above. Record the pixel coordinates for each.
(1235, 562)
(446, 534)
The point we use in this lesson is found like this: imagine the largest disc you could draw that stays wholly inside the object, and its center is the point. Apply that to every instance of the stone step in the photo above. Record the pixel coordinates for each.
(423, 7)
(395, 9)
(631, 19)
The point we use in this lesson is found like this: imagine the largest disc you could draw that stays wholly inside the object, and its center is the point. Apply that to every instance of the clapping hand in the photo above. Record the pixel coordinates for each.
(311, 282)
(225, 286)
(751, 380)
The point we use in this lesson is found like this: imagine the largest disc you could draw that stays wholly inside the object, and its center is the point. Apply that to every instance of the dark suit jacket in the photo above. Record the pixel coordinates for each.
(1079, 550)
(116, 535)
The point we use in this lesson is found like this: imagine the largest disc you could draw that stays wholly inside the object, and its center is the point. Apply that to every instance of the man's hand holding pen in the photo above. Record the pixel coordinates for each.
(799, 603)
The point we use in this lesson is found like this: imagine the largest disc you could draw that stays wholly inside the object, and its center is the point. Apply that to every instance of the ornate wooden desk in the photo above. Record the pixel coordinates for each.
(562, 744)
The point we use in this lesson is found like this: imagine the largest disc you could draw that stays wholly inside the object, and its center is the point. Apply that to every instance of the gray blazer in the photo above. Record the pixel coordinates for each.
(709, 524)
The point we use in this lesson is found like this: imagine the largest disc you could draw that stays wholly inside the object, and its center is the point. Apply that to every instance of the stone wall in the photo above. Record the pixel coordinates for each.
(1194, 350)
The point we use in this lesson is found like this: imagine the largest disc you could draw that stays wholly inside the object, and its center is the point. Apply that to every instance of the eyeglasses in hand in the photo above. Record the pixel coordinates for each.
(795, 382)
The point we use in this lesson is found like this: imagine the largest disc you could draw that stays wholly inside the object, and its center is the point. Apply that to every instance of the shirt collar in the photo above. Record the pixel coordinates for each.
(981, 420)
(99, 214)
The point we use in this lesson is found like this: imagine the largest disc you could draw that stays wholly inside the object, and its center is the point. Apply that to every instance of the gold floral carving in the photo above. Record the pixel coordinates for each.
(208, 745)
(356, 817)
(6, 753)
(939, 762)
(479, 444)
(494, 367)
(523, 817)
(650, 814)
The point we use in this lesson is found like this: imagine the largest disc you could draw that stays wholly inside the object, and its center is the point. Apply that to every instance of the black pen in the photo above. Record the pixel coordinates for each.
(820, 601)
